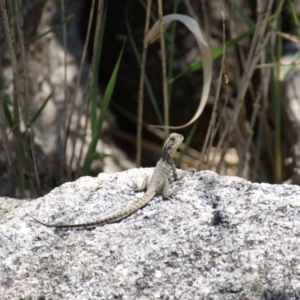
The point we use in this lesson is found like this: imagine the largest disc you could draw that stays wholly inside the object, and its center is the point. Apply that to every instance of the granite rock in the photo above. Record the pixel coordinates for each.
(218, 237)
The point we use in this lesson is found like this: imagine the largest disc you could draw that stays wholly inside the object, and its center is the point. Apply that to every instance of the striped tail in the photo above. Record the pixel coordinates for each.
(109, 219)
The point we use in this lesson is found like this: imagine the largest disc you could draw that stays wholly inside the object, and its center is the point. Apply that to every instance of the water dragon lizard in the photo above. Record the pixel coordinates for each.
(159, 183)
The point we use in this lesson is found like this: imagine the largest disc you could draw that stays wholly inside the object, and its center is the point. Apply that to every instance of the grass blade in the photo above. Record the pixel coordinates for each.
(36, 115)
(147, 82)
(35, 38)
(96, 73)
(248, 21)
(6, 104)
(105, 103)
(215, 53)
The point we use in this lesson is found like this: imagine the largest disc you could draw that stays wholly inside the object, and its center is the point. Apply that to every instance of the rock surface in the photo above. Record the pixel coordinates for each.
(217, 238)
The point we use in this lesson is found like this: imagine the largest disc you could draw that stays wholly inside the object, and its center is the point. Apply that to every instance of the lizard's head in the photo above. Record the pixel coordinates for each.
(172, 143)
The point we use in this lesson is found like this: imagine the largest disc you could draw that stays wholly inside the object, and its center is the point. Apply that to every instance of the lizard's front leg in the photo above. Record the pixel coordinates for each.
(166, 192)
(175, 173)
(174, 168)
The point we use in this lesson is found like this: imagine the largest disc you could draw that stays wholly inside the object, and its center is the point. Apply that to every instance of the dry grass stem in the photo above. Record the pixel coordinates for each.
(245, 153)
(259, 41)
(141, 88)
(276, 65)
(152, 147)
(26, 110)
(261, 126)
(209, 136)
(65, 102)
(18, 170)
(72, 107)
(164, 69)
(90, 78)
(130, 116)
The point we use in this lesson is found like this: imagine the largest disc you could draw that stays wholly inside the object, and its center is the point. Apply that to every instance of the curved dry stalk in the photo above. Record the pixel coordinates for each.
(193, 26)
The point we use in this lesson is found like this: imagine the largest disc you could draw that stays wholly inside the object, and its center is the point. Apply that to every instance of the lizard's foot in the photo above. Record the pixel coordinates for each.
(182, 174)
(139, 186)
(169, 194)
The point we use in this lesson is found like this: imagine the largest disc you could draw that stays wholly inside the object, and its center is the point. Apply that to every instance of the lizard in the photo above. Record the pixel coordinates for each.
(159, 183)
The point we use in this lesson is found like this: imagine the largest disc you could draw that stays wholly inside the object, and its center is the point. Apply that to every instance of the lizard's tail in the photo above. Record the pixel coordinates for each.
(109, 219)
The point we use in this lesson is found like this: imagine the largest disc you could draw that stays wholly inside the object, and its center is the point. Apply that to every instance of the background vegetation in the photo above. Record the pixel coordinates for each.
(250, 127)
